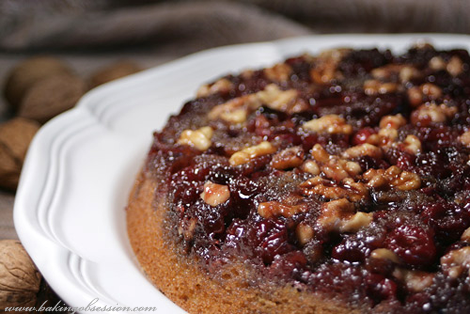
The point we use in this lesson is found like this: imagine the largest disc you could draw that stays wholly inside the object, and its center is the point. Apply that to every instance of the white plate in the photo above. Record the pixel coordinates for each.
(69, 210)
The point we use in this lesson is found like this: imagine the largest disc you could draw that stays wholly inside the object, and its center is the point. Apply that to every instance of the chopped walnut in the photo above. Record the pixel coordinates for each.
(392, 122)
(331, 123)
(304, 233)
(200, 139)
(405, 72)
(279, 72)
(393, 177)
(187, 227)
(437, 63)
(412, 144)
(222, 85)
(325, 68)
(338, 215)
(456, 261)
(334, 167)
(288, 158)
(382, 253)
(320, 154)
(354, 191)
(311, 167)
(249, 153)
(356, 222)
(466, 235)
(339, 169)
(416, 94)
(277, 99)
(414, 280)
(237, 110)
(235, 117)
(455, 66)
(431, 112)
(365, 149)
(333, 212)
(275, 209)
(215, 194)
(374, 87)
(465, 139)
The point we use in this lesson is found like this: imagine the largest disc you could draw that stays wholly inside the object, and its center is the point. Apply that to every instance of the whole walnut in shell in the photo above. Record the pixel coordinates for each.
(51, 96)
(28, 72)
(113, 72)
(19, 278)
(15, 137)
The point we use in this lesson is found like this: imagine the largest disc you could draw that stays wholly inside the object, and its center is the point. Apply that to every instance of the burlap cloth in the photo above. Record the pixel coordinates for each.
(92, 33)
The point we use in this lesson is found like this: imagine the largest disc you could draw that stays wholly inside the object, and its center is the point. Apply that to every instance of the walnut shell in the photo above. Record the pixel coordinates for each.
(27, 73)
(19, 278)
(51, 96)
(15, 137)
(113, 72)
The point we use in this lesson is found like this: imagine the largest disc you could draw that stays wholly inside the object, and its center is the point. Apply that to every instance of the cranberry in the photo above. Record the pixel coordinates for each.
(381, 288)
(351, 250)
(362, 135)
(449, 220)
(288, 265)
(413, 244)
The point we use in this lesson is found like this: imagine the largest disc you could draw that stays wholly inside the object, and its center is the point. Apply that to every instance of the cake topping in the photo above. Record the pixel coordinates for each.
(345, 173)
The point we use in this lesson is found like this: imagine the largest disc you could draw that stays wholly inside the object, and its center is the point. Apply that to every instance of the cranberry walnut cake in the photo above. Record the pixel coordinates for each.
(334, 183)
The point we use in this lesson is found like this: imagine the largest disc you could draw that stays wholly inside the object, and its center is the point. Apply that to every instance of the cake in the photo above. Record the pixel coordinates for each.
(328, 183)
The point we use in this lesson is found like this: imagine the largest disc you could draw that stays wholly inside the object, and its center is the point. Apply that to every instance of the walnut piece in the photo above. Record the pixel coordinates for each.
(311, 167)
(288, 158)
(222, 85)
(365, 149)
(392, 177)
(326, 64)
(19, 279)
(392, 122)
(382, 253)
(432, 113)
(455, 66)
(456, 261)
(416, 94)
(304, 233)
(245, 155)
(279, 72)
(347, 189)
(200, 139)
(465, 138)
(275, 209)
(412, 144)
(466, 235)
(237, 110)
(331, 123)
(333, 213)
(215, 194)
(414, 280)
(356, 222)
(374, 87)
